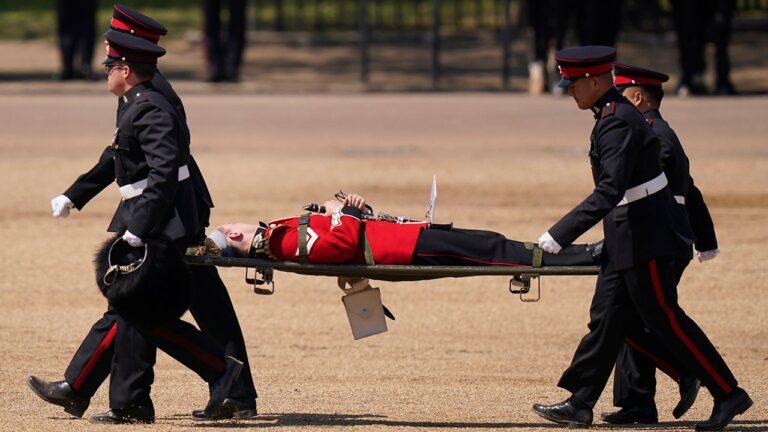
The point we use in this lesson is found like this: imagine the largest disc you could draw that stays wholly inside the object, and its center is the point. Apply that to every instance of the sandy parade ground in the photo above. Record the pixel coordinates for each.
(463, 353)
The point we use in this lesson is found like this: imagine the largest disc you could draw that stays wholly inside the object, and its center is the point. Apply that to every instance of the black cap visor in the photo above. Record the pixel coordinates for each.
(109, 60)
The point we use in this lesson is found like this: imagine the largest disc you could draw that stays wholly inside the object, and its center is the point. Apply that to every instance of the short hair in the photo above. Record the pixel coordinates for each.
(654, 95)
(143, 71)
(651, 94)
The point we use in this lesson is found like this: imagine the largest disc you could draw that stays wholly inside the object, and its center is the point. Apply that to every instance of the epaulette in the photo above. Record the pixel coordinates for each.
(142, 97)
(608, 110)
(649, 121)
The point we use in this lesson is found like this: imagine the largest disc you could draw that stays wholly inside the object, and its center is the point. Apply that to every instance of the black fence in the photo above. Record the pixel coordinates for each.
(383, 15)
(454, 15)
(436, 20)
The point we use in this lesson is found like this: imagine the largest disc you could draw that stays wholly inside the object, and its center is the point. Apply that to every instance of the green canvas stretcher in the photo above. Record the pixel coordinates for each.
(363, 303)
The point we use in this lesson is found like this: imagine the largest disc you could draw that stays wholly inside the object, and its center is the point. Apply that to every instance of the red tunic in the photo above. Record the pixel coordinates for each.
(336, 240)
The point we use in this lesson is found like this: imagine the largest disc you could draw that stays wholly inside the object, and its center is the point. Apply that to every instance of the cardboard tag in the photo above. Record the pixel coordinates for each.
(365, 313)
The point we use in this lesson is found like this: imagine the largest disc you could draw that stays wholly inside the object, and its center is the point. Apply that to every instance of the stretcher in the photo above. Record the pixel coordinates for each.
(362, 302)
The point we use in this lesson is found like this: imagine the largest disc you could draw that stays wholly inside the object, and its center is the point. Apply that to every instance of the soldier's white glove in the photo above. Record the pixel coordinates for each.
(132, 239)
(61, 205)
(548, 244)
(707, 255)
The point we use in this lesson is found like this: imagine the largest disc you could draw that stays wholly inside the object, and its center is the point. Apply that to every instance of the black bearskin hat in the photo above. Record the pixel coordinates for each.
(148, 284)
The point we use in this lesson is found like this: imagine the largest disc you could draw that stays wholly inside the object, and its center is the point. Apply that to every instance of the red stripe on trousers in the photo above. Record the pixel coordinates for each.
(661, 364)
(204, 356)
(681, 334)
(96, 356)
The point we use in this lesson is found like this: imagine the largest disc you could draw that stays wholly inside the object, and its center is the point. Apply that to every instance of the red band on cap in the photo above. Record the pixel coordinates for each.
(130, 56)
(571, 72)
(120, 25)
(640, 81)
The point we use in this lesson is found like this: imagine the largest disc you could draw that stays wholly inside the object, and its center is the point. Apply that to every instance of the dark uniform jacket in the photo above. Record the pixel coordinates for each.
(164, 87)
(675, 164)
(151, 143)
(624, 152)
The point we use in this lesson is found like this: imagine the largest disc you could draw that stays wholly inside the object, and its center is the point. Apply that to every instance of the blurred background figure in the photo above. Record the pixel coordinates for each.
(595, 22)
(599, 22)
(541, 18)
(224, 55)
(696, 21)
(77, 35)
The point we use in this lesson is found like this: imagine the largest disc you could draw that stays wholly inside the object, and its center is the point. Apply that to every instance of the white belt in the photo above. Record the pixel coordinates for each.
(646, 189)
(135, 189)
(680, 199)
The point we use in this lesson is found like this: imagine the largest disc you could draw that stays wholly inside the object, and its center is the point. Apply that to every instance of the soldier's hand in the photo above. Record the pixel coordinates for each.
(548, 244)
(707, 255)
(331, 206)
(354, 200)
(61, 206)
(132, 239)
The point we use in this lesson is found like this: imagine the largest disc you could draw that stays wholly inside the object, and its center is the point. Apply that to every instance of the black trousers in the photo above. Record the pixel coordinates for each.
(634, 379)
(224, 55)
(135, 355)
(77, 35)
(118, 347)
(456, 246)
(627, 300)
(696, 22)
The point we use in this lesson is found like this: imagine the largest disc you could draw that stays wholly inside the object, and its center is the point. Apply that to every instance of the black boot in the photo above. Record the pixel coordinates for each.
(633, 415)
(132, 414)
(565, 413)
(231, 408)
(725, 410)
(220, 388)
(689, 389)
(59, 393)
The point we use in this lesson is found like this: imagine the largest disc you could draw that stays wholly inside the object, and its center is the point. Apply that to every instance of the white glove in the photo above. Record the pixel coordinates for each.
(548, 244)
(707, 255)
(61, 205)
(132, 239)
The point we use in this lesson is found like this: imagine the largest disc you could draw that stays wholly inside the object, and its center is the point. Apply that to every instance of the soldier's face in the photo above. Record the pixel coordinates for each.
(239, 236)
(116, 79)
(584, 92)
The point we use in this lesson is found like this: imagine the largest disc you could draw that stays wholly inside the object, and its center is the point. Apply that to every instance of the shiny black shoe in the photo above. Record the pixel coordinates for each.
(565, 413)
(231, 408)
(133, 414)
(220, 388)
(632, 415)
(59, 393)
(689, 389)
(725, 410)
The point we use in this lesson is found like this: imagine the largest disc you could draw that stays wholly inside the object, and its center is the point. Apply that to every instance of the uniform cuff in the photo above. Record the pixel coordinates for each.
(352, 211)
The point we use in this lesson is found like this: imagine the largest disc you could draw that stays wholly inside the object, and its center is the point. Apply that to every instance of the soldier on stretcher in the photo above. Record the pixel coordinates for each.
(343, 235)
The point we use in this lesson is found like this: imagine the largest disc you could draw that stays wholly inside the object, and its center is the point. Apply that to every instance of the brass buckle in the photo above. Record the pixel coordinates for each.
(523, 282)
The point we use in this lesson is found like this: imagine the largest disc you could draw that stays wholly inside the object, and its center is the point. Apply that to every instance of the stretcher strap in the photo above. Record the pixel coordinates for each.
(538, 254)
(303, 223)
(367, 251)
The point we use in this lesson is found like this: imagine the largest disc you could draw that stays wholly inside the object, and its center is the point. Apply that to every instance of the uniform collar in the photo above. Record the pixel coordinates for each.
(610, 96)
(134, 92)
(653, 114)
